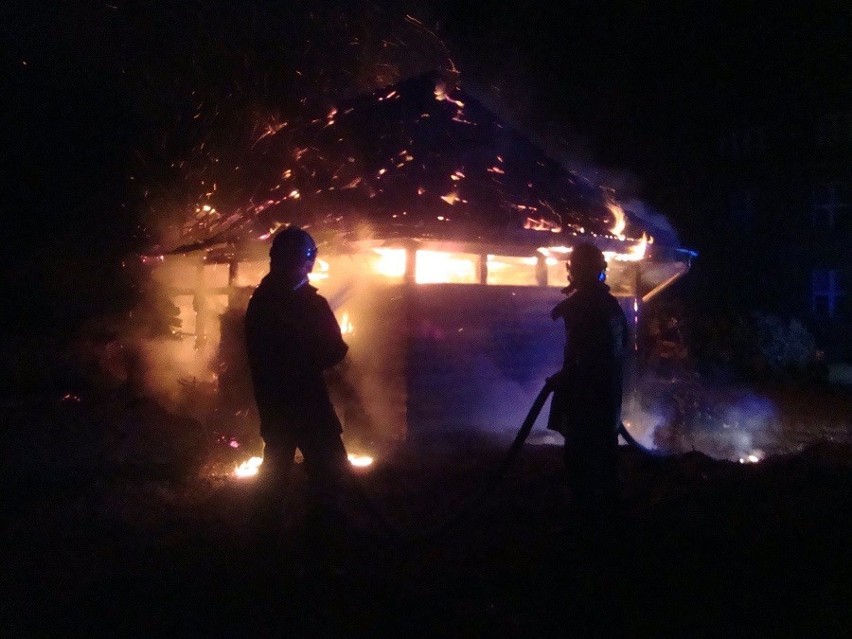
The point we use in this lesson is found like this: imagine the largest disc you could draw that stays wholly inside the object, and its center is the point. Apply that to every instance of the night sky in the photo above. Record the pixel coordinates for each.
(112, 111)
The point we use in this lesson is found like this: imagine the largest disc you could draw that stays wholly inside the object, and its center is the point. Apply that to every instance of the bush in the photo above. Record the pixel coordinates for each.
(782, 346)
(754, 345)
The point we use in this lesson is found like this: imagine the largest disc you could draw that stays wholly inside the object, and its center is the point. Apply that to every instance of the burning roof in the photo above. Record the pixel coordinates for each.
(421, 158)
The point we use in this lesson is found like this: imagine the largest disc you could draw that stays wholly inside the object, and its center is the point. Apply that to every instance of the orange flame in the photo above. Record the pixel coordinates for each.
(435, 267)
(390, 261)
(619, 219)
(251, 466)
(346, 325)
(541, 224)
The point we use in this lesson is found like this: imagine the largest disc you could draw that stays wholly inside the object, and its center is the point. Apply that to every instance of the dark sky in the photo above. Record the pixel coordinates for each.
(108, 107)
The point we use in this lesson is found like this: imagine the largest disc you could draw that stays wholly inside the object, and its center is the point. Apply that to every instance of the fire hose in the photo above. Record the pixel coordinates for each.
(478, 498)
(494, 479)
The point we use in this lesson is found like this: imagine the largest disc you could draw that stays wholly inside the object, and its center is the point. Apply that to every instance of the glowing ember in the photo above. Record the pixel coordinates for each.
(442, 95)
(272, 230)
(271, 128)
(541, 224)
(452, 197)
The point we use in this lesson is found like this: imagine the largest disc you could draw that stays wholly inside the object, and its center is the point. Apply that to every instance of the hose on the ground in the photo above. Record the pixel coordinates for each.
(490, 485)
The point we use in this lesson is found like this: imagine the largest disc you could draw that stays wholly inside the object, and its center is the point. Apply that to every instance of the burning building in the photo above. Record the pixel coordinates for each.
(442, 237)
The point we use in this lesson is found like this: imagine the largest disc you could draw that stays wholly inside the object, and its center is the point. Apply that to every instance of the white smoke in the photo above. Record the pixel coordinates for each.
(723, 423)
(657, 224)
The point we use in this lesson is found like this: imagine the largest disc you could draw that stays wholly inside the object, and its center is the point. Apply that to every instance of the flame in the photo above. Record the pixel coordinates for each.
(360, 461)
(638, 251)
(251, 466)
(497, 263)
(560, 251)
(635, 253)
(390, 261)
(436, 267)
(541, 224)
(346, 326)
(320, 272)
(512, 270)
(620, 219)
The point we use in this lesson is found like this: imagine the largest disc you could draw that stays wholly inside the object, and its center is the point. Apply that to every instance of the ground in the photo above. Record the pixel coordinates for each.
(707, 547)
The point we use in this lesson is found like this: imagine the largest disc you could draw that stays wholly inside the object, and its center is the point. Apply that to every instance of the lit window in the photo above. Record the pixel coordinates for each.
(833, 128)
(828, 203)
(438, 267)
(827, 291)
(512, 271)
(389, 262)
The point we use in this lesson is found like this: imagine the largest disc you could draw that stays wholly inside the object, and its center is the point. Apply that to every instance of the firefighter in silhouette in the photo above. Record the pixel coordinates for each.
(292, 336)
(586, 406)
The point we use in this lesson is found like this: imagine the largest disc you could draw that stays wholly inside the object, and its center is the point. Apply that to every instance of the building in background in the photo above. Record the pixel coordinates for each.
(780, 193)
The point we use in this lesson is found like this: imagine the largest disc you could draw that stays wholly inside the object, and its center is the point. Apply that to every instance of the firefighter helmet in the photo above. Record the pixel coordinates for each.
(292, 248)
(587, 263)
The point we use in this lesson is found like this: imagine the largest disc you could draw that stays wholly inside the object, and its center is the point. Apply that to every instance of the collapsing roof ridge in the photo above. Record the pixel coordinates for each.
(420, 158)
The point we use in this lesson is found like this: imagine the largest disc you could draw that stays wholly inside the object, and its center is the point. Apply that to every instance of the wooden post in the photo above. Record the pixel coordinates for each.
(410, 263)
(199, 304)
